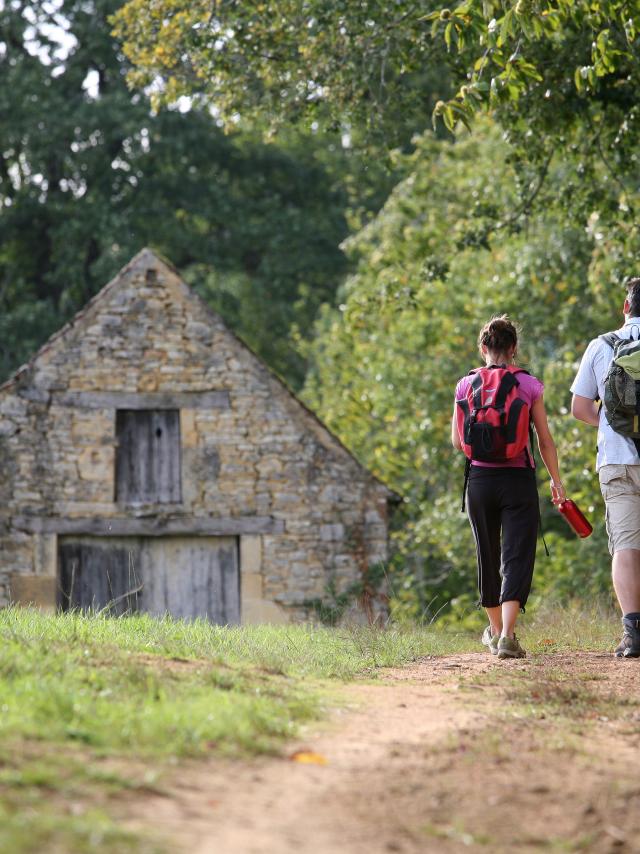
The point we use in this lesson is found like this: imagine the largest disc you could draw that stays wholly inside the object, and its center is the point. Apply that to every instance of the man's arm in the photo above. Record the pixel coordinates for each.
(585, 409)
(585, 385)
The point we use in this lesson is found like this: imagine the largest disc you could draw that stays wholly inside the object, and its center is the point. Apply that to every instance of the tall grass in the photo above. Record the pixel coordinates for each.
(572, 627)
(296, 650)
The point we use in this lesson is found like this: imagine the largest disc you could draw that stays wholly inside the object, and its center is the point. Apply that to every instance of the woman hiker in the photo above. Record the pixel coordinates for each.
(491, 422)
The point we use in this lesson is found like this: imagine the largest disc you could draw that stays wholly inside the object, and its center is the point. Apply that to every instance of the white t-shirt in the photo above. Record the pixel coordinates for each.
(613, 449)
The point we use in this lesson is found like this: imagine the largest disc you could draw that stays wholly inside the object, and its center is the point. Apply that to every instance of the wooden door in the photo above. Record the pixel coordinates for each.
(98, 574)
(183, 576)
(192, 577)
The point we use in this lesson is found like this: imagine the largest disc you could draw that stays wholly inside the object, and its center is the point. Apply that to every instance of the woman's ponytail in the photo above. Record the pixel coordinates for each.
(499, 336)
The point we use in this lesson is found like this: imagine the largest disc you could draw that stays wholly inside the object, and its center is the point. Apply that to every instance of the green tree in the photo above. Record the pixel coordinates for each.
(546, 61)
(368, 64)
(89, 174)
(556, 64)
(430, 269)
(560, 76)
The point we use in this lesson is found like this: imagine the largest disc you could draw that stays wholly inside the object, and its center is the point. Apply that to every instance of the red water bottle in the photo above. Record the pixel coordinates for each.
(576, 518)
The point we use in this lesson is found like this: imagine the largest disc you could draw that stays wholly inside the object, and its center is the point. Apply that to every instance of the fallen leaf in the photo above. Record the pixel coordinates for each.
(308, 757)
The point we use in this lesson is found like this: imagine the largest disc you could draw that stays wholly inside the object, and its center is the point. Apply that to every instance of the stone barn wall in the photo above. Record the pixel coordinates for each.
(256, 463)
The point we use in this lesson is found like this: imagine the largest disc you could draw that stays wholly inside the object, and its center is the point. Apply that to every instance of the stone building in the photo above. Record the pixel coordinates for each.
(151, 461)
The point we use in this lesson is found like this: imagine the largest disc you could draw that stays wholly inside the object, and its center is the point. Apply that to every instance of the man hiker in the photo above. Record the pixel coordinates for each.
(610, 373)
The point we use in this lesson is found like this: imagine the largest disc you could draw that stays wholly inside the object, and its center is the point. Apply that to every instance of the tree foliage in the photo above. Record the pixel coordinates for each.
(89, 175)
(439, 260)
(559, 76)
(369, 64)
(544, 59)
(547, 59)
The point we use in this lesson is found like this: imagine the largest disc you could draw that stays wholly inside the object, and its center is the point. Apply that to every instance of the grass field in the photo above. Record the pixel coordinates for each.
(93, 708)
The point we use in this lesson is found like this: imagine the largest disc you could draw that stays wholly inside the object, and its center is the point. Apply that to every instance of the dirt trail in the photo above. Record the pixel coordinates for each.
(451, 754)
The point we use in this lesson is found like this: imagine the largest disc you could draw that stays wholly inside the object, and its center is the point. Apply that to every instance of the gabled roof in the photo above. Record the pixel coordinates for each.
(147, 259)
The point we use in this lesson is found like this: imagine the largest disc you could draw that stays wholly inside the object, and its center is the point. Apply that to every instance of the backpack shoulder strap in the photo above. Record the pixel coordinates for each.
(611, 339)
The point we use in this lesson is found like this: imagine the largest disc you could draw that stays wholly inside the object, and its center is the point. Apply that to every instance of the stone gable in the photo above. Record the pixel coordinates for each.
(254, 463)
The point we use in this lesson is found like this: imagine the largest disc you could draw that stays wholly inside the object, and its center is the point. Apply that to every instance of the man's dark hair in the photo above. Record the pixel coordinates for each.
(633, 295)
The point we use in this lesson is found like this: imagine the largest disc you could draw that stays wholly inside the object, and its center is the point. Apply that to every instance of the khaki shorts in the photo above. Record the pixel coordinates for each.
(620, 486)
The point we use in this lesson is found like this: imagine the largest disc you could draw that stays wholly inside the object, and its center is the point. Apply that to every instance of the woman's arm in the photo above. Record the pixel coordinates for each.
(548, 450)
(455, 438)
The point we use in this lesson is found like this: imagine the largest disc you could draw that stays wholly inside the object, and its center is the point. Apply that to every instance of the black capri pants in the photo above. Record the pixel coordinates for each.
(502, 504)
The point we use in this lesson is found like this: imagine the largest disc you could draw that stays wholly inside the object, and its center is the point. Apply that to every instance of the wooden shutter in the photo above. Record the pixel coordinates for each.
(148, 467)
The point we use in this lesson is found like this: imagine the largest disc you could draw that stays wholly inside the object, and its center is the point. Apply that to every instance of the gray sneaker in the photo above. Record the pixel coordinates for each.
(490, 641)
(510, 648)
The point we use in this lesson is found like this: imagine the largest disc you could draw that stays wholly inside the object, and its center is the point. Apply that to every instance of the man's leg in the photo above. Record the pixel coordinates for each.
(620, 486)
(626, 583)
(626, 579)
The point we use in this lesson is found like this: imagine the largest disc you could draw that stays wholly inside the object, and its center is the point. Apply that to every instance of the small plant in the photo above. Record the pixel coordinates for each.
(331, 608)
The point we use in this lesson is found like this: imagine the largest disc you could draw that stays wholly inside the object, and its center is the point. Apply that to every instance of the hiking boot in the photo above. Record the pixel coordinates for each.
(490, 641)
(510, 648)
(629, 646)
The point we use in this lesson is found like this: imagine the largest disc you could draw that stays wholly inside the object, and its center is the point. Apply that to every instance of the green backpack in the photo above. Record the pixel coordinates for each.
(622, 386)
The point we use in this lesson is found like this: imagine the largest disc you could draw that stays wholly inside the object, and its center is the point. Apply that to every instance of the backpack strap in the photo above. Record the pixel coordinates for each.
(476, 386)
(507, 383)
(611, 339)
(514, 369)
(467, 472)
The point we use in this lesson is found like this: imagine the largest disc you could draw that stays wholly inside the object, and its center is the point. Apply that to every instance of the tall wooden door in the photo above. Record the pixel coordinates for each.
(183, 576)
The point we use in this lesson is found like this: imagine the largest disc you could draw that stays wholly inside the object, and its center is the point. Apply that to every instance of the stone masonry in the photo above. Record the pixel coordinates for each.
(256, 463)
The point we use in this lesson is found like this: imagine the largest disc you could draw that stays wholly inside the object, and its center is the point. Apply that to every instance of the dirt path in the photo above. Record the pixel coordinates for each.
(451, 754)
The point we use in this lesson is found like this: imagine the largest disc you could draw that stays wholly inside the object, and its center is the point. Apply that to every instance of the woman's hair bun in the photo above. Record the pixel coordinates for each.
(499, 335)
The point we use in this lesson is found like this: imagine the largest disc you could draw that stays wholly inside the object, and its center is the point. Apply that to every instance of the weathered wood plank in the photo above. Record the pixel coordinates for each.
(149, 526)
(191, 578)
(148, 457)
(142, 400)
(99, 575)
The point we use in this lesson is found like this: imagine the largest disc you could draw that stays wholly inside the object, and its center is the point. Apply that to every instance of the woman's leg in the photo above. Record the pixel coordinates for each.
(495, 619)
(509, 612)
(484, 516)
(519, 541)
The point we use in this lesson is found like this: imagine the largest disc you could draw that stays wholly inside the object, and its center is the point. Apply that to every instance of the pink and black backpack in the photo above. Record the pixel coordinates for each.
(493, 421)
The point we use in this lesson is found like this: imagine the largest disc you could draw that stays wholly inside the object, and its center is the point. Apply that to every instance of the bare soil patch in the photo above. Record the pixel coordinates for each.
(456, 753)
